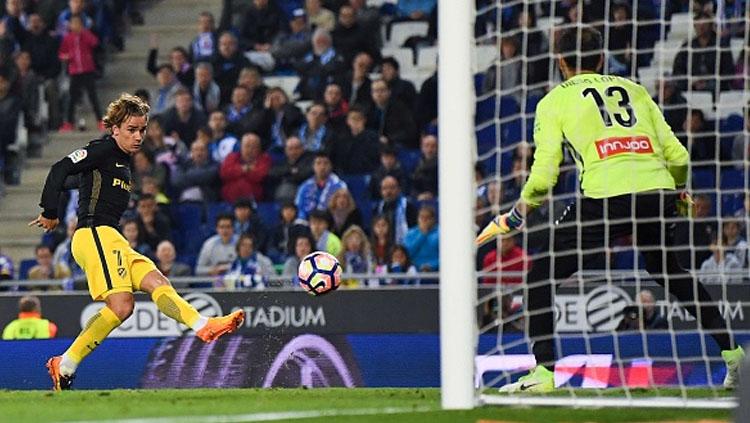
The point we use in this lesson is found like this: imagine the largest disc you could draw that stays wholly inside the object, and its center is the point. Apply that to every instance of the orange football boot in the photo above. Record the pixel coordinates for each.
(218, 326)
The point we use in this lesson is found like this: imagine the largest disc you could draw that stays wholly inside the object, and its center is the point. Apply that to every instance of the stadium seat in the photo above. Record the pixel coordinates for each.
(485, 56)
(427, 58)
(732, 178)
(681, 26)
(287, 83)
(485, 110)
(268, 211)
(486, 139)
(701, 100)
(408, 158)
(508, 106)
(404, 57)
(401, 31)
(546, 22)
(731, 103)
(703, 179)
(511, 132)
(23, 268)
(735, 46)
(187, 218)
(478, 81)
(214, 210)
(665, 52)
(648, 76)
(732, 203)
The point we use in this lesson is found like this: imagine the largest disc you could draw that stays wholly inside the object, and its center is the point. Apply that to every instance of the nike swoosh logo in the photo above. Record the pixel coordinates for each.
(120, 165)
(524, 387)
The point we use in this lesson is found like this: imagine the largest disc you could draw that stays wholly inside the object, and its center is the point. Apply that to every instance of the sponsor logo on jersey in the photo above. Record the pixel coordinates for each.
(78, 155)
(609, 147)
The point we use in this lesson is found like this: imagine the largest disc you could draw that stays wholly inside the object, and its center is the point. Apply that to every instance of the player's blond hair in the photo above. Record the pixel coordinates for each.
(124, 107)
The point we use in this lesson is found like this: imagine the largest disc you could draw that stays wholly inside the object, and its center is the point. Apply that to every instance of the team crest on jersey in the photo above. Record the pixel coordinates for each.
(78, 155)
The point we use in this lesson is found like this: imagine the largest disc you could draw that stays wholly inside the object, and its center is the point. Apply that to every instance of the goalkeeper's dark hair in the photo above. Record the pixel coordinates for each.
(580, 47)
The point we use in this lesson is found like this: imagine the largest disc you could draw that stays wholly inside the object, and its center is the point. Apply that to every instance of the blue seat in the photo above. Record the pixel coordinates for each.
(359, 186)
(531, 102)
(478, 81)
(214, 210)
(731, 203)
(733, 123)
(510, 132)
(23, 268)
(188, 219)
(508, 106)
(268, 212)
(409, 158)
(732, 178)
(703, 179)
(486, 139)
(485, 110)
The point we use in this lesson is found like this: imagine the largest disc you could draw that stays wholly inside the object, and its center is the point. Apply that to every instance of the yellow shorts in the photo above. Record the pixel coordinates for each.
(109, 262)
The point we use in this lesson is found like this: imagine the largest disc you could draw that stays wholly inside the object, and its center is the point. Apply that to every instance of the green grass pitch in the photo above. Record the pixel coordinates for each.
(303, 405)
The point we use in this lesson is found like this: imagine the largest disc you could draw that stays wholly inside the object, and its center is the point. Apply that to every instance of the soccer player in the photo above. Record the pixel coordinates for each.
(113, 269)
(630, 166)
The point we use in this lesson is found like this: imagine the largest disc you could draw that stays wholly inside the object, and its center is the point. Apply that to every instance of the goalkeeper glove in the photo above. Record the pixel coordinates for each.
(685, 205)
(501, 225)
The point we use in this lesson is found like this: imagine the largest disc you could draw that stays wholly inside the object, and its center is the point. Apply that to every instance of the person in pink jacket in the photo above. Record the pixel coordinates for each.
(77, 51)
(242, 173)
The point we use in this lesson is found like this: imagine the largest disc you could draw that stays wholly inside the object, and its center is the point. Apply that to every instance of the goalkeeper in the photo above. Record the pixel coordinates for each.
(630, 165)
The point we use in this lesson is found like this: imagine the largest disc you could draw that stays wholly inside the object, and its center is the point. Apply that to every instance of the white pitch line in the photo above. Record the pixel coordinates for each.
(267, 416)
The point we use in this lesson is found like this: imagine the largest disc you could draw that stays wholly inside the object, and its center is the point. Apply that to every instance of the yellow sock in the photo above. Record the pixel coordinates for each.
(92, 335)
(169, 302)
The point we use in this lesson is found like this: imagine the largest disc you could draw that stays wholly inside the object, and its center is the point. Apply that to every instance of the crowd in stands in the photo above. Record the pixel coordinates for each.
(238, 180)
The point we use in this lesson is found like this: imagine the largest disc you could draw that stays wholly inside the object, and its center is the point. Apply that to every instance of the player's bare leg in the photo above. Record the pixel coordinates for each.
(170, 303)
(119, 306)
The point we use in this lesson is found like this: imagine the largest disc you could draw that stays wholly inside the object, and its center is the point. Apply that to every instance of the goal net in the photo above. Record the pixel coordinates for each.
(619, 338)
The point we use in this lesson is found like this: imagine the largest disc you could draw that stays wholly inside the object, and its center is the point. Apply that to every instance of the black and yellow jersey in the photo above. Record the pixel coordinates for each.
(104, 187)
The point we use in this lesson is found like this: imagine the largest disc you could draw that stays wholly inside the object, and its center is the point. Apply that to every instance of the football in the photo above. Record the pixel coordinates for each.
(319, 273)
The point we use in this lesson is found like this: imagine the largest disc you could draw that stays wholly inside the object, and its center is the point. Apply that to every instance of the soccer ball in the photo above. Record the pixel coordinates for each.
(319, 273)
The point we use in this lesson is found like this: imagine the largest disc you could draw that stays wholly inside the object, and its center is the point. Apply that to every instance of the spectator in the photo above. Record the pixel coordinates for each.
(356, 255)
(314, 132)
(350, 38)
(643, 315)
(672, 102)
(63, 256)
(44, 268)
(218, 252)
(288, 174)
(390, 118)
(153, 224)
(536, 48)
(227, 65)
(222, 143)
(734, 243)
(423, 241)
(166, 150)
(197, 178)
(167, 91)
(251, 78)
(399, 262)
(29, 324)
(179, 60)
(510, 314)
(290, 47)
(698, 238)
(318, 16)
(75, 8)
(512, 258)
(206, 92)
(77, 49)
(183, 119)
(246, 221)
(6, 267)
(415, 10)
(381, 240)
(204, 46)
(355, 141)
(507, 79)
(703, 63)
(319, 68)
(325, 240)
(243, 117)
(10, 113)
(131, 233)
(281, 244)
(250, 269)
(396, 208)
(145, 165)
(8, 44)
(243, 174)
(44, 61)
(27, 84)
(389, 166)
(284, 116)
(336, 107)
(511, 189)
(427, 104)
(357, 83)
(303, 245)
(425, 178)
(401, 90)
(15, 18)
(367, 16)
(715, 268)
(344, 212)
(166, 256)
(741, 144)
(316, 192)
(262, 23)
(699, 139)
(620, 40)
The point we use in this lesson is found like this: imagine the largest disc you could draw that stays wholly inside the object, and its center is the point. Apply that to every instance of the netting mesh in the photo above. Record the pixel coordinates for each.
(616, 326)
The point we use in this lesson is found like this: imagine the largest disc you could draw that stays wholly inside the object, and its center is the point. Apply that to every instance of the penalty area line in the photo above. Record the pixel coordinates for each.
(267, 416)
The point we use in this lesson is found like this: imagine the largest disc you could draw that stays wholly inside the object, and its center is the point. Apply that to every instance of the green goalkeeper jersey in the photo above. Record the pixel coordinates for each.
(616, 134)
